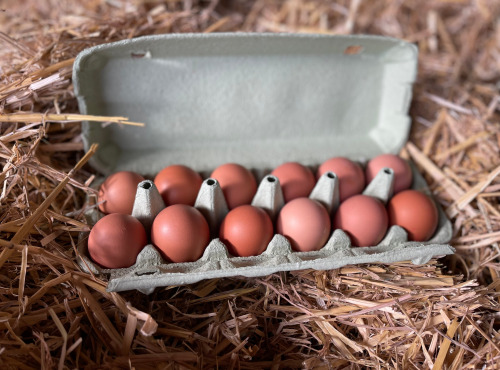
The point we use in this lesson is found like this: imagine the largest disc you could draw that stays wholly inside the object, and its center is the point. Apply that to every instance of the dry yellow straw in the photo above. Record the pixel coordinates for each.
(31, 221)
(38, 117)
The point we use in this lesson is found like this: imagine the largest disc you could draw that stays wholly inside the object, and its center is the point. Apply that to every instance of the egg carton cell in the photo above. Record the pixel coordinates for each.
(151, 270)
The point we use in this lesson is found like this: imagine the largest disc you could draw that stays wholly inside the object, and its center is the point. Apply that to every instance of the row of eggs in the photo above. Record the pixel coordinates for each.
(181, 233)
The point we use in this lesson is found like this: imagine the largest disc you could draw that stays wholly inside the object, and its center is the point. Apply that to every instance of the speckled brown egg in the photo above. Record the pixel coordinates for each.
(116, 240)
(117, 192)
(237, 183)
(415, 212)
(246, 231)
(363, 218)
(178, 184)
(295, 179)
(350, 174)
(181, 233)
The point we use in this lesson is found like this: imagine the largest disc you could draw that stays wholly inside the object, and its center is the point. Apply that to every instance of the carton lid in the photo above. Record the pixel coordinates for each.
(255, 99)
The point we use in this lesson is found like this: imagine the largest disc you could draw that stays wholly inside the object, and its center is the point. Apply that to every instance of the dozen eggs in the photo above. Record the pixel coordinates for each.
(181, 233)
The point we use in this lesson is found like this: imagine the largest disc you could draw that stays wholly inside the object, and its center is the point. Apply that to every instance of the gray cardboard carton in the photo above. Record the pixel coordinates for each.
(259, 100)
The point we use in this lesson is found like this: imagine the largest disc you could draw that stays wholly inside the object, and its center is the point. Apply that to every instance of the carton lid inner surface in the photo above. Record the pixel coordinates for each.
(259, 100)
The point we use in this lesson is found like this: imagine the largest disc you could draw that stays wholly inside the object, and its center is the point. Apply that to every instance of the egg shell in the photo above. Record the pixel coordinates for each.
(295, 179)
(350, 174)
(116, 240)
(181, 233)
(246, 231)
(363, 218)
(178, 184)
(403, 176)
(415, 212)
(305, 223)
(237, 183)
(118, 192)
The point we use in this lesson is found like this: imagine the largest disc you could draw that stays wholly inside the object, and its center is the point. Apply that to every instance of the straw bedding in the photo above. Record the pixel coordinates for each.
(441, 315)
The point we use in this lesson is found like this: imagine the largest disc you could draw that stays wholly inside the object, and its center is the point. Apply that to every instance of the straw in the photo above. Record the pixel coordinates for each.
(442, 314)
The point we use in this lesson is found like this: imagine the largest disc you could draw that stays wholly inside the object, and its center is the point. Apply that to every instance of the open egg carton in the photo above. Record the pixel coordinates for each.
(258, 100)
(151, 270)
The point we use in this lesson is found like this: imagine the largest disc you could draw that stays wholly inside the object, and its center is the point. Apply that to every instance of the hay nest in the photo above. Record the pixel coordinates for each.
(440, 315)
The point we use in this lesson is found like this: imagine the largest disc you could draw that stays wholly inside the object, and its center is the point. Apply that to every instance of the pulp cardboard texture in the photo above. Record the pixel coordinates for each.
(254, 99)
(258, 100)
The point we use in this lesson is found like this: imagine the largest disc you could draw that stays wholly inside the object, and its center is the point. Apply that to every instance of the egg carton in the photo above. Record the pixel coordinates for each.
(258, 100)
(151, 270)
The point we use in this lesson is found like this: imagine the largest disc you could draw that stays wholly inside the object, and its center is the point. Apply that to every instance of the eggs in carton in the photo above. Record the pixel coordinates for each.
(259, 100)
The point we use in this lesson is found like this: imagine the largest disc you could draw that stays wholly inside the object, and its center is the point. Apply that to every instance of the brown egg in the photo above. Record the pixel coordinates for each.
(246, 231)
(364, 220)
(181, 233)
(116, 240)
(402, 170)
(415, 212)
(178, 184)
(305, 223)
(237, 183)
(118, 192)
(296, 180)
(350, 174)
